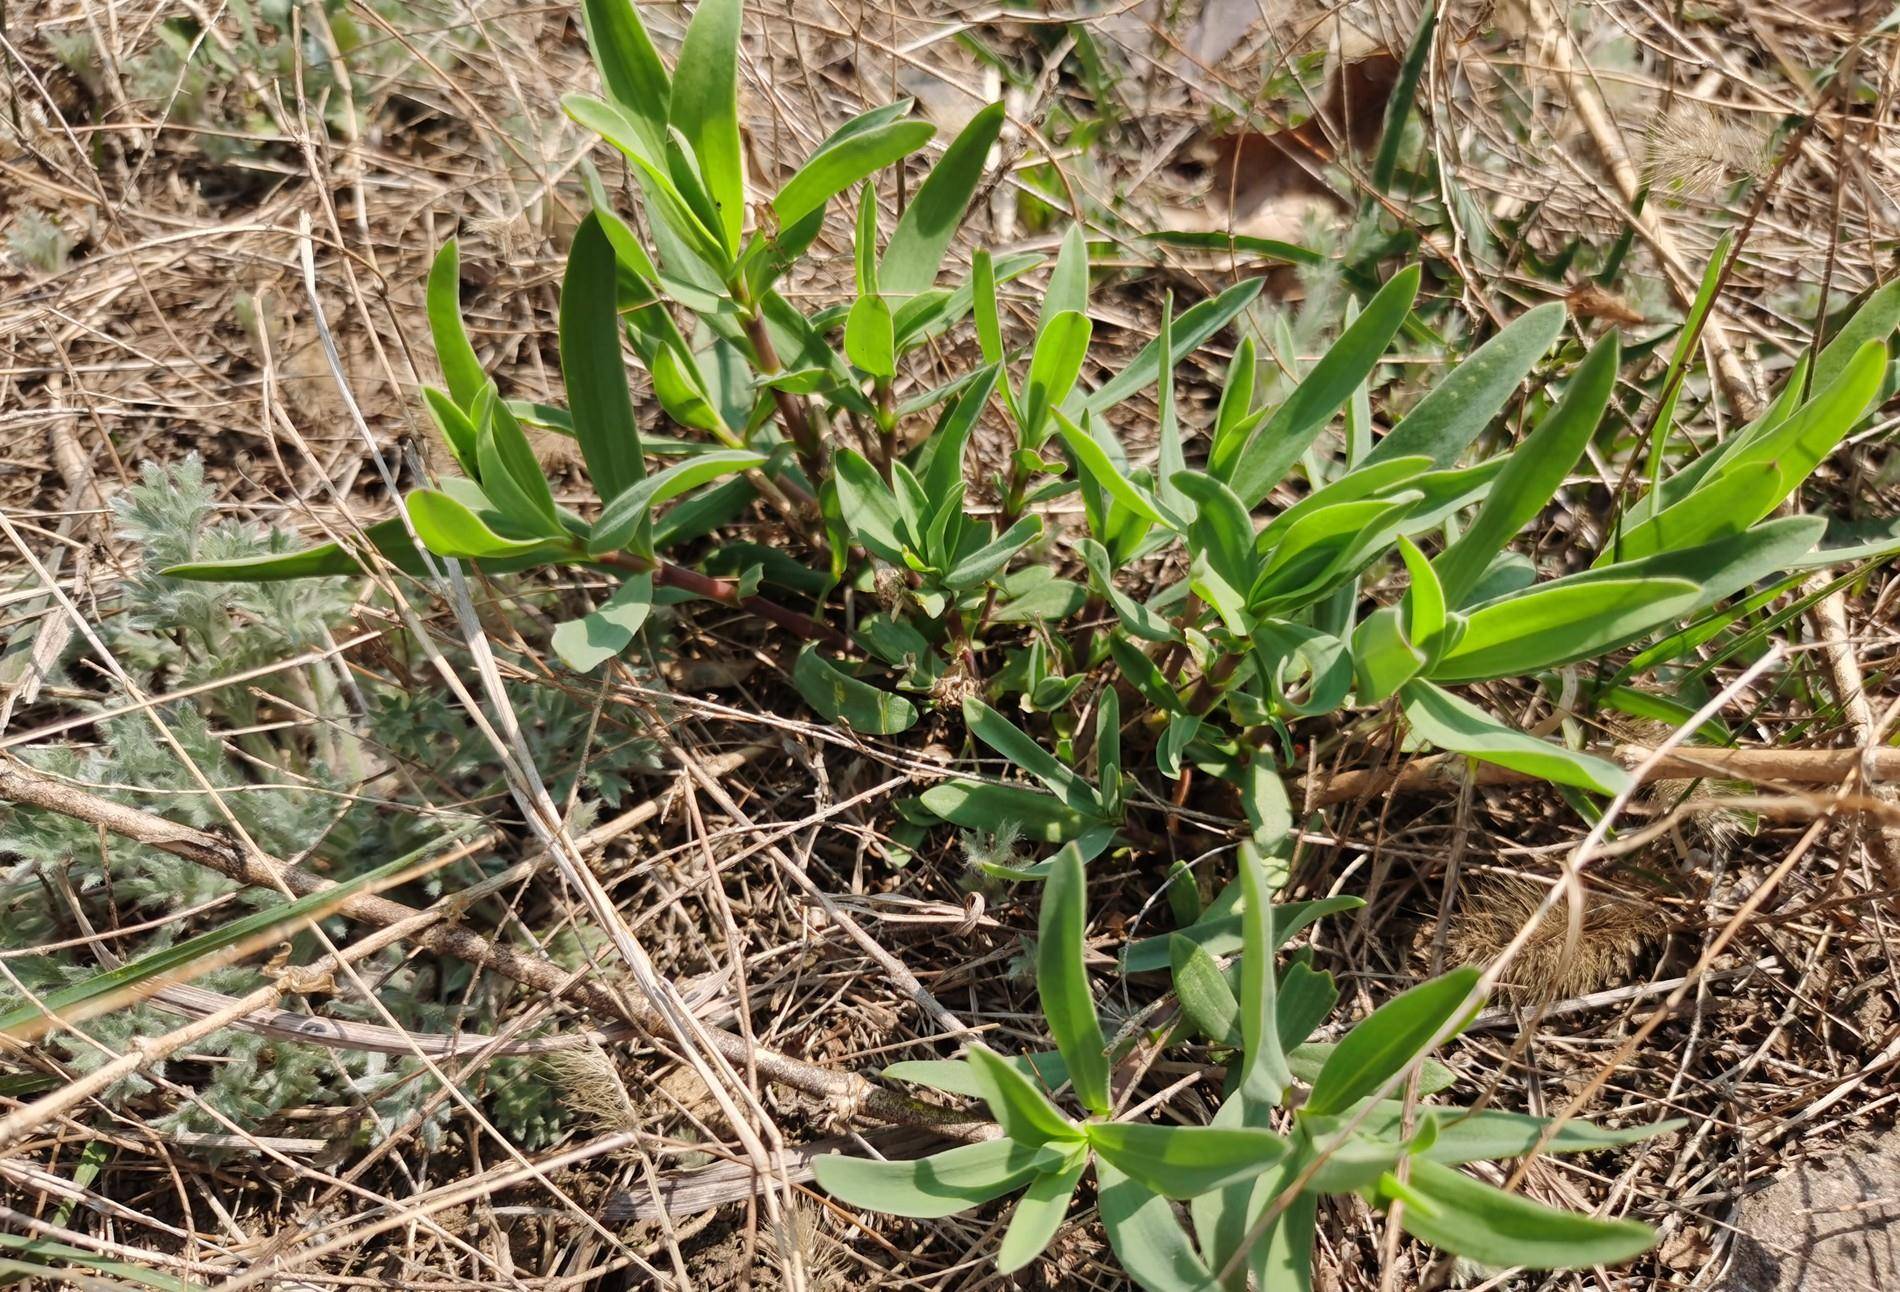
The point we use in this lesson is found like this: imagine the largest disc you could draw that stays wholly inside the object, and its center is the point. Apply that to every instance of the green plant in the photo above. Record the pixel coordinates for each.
(1352, 612)
(1251, 1190)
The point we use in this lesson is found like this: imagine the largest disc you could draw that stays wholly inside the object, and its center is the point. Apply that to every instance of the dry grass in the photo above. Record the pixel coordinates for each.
(151, 305)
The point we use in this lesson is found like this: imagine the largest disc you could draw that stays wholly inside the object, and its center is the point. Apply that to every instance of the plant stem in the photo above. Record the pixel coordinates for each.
(726, 593)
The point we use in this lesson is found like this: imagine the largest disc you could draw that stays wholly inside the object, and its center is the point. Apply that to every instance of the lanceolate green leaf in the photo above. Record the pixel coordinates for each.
(1206, 1000)
(1062, 980)
(1461, 727)
(1387, 1040)
(977, 805)
(447, 528)
(1496, 1228)
(592, 365)
(1023, 1111)
(1542, 628)
(460, 368)
(1487, 1135)
(1280, 440)
(630, 68)
(1219, 929)
(511, 474)
(1009, 740)
(933, 1187)
(843, 162)
(1153, 1248)
(1875, 320)
(1685, 342)
(1461, 405)
(1263, 1075)
(923, 233)
(390, 537)
(705, 109)
(1533, 472)
(843, 698)
(620, 521)
(1399, 107)
(1094, 462)
(1061, 347)
(1038, 1216)
(1183, 1161)
(1191, 331)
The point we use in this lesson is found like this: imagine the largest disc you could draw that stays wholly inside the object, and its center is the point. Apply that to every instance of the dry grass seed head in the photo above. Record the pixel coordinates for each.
(1546, 969)
(591, 1087)
(803, 1232)
(1699, 148)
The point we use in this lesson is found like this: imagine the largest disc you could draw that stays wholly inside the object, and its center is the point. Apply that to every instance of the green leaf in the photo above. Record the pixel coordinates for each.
(1460, 727)
(460, 368)
(1149, 1242)
(1023, 1111)
(958, 1077)
(869, 341)
(844, 161)
(1424, 605)
(1191, 331)
(1383, 657)
(1875, 320)
(1686, 341)
(120, 987)
(703, 257)
(1399, 106)
(1799, 444)
(1221, 528)
(1280, 440)
(1533, 472)
(1461, 405)
(705, 109)
(452, 423)
(592, 366)
(1002, 735)
(1720, 568)
(1206, 1000)
(1062, 981)
(843, 698)
(978, 805)
(1387, 1040)
(630, 68)
(620, 521)
(1501, 1229)
(511, 474)
(923, 233)
(930, 1188)
(980, 566)
(1264, 1076)
(1304, 997)
(1183, 1161)
(390, 537)
(1094, 462)
(1308, 1059)
(1559, 624)
(1061, 347)
(1485, 1135)
(44, 1253)
(869, 507)
(1068, 288)
(1038, 1216)
(1718, 509)
(586, 643)
(447, 528)
(1219, 930)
